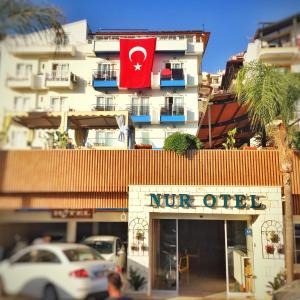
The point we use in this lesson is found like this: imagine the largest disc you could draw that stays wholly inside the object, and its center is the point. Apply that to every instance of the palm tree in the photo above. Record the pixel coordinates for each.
(20, 17)
(270, 97)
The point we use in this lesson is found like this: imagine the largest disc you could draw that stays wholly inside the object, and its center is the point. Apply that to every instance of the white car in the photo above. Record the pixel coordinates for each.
(110, 247)
(55, 271)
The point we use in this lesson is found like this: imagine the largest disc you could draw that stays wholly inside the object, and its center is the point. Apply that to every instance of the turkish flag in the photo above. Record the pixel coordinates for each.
(136, 61)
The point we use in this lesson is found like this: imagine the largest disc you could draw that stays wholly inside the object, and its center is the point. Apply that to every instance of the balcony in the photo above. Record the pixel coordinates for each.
(42, 50)
(172, 114)
(18, 82)
(60, 80)
(103, 143)
(278, 52)
(172, 78)
(104, 107)
(105, 79)
(112, 45)
(140, 113)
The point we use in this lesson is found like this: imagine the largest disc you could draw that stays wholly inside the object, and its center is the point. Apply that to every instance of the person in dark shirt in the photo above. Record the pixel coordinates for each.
(114, 287)
(70, 144)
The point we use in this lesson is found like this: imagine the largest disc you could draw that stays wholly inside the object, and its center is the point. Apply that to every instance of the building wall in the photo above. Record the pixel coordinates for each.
(82, 97)
(140, 214)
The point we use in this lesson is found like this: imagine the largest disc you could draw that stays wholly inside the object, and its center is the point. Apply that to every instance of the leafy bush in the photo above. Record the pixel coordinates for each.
(230, 141)
(181, 142)
(136, 280)
(278, 281)
(296, 140)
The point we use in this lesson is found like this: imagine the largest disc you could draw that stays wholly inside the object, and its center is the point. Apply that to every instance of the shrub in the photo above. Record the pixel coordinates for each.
(278, 281)
(136, 280)
(296, 140)
(181, 142)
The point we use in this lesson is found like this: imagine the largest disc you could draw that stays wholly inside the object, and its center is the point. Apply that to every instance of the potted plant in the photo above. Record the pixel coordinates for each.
(139, 235)
(280, 248)
(274, 237)
(270, 249)
(134, 247)
(136, 280)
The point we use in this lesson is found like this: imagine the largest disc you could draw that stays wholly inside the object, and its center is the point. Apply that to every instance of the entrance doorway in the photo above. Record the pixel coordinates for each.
(201, 261)
(201, 257)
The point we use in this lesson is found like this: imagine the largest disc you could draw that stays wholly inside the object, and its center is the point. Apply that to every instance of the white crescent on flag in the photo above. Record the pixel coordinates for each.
(136, 49)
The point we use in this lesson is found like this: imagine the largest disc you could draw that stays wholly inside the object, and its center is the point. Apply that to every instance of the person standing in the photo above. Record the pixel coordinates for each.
(114, 287)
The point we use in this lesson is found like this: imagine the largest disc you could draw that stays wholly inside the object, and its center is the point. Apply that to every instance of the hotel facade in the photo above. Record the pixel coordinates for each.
(207, 222)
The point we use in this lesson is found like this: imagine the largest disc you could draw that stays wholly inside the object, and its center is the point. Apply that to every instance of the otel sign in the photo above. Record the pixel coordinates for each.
(241, 201)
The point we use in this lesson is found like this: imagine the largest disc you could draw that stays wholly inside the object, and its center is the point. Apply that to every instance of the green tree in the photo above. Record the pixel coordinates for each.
(19, 17)
(181, 142)
(270, 97)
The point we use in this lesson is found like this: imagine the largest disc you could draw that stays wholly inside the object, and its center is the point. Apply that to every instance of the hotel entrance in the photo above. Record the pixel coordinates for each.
(201, 257)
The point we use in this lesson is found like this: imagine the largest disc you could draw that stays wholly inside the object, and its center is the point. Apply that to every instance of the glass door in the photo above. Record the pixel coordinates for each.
(164, 254)
(238, 257)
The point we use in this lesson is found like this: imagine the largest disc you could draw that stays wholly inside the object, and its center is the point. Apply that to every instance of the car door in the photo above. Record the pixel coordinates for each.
(18, 273)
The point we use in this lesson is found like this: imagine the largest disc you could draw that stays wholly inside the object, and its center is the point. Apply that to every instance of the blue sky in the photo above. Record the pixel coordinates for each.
(232, 23)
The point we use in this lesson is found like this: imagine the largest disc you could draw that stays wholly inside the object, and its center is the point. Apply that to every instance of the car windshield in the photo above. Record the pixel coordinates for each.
(82, 254)
(103, 247)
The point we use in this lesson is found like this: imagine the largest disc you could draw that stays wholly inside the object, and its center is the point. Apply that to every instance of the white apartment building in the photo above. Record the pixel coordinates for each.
(278, 43)
(41, 84)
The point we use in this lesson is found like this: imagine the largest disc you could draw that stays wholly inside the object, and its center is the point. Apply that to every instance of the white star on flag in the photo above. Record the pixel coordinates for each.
(137, 66)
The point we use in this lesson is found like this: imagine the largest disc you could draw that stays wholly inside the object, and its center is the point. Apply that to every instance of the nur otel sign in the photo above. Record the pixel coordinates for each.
(240, 201)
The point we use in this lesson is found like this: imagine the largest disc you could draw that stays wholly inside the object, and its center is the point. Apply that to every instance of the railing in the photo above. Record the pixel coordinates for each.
(110, 75)
(172, 74)
(58, 76)
(139, 110)
(103, 142)
(172, 110)
(104, 107)
(277, 44)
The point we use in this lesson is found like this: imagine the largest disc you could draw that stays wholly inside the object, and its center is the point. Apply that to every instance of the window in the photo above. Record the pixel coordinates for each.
(26, 258)
(44, 256)
(106, 71)
(75, 255)
(104, 138)
(105, 103)
(140, 106)
(58, 104)
(173, 106)
(23, 71)
(60, 71)
(297, 243)
(21, 104)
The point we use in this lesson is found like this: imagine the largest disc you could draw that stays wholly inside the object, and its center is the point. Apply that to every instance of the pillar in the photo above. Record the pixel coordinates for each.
(71, 231)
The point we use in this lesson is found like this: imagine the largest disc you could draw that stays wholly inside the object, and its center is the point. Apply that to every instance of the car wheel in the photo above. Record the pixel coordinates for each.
(50, 293)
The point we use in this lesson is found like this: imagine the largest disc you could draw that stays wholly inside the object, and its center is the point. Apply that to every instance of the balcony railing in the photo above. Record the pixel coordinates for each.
(58, 76)
(104, 107)
(104, 142)
(172, 113)
(105, 79)
(110, 75)
(140, 113)
(172, 77)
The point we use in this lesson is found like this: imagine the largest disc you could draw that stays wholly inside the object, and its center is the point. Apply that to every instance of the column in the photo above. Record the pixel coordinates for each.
(71, 231)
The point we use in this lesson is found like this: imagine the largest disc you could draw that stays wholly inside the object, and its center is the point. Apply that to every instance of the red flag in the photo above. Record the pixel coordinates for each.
(136, 61)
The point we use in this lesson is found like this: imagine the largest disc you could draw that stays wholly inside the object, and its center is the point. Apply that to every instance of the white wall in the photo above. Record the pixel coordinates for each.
(83, 96)
(264, 269)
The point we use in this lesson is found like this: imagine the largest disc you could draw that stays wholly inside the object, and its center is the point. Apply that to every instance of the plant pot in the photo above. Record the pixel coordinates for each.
(142, 146)
(270, 249)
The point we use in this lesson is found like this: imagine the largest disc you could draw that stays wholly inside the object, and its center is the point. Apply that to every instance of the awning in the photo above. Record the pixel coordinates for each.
(38, 120)
(95, 119)
(223, 114)
(75, 120)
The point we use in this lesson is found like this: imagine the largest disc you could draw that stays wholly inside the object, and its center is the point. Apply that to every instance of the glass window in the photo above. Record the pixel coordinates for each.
(164, 254)
(83, 254)
(26, 258)
(297, 243)
(104, 247)
(45, 256)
